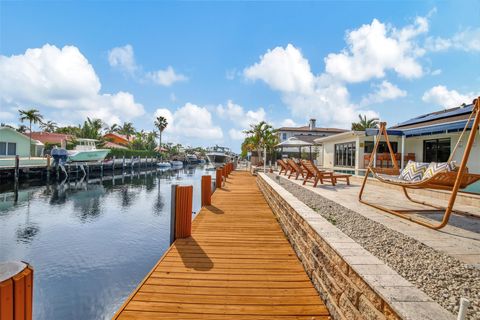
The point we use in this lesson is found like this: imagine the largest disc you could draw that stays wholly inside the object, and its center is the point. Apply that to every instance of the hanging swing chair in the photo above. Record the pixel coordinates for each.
(457, 178)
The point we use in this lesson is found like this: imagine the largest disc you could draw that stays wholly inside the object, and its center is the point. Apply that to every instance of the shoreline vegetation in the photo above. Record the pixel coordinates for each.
(140, 143)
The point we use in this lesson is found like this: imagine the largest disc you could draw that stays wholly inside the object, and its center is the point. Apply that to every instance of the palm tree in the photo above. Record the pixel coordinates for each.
(91, 129)
(49, 126)
(111, 129)
(33, 116)
(364, 123)
(127, 129)
(161, 123)
(260, 136)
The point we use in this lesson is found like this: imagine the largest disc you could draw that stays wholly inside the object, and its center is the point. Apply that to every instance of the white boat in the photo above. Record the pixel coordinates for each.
(192, 159)
(164, 165)
(87, 151)
(176, 164)
(218, 156)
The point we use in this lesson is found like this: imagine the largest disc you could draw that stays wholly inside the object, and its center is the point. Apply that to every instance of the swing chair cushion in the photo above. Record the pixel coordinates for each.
(413, 171)
(437, 167)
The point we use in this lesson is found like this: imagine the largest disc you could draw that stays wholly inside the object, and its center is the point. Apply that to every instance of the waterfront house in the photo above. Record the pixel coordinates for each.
(427, 138)
(306, 134)
(52, 138)
(14, 143)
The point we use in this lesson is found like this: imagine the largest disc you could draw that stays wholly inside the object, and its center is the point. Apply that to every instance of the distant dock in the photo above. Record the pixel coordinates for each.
(24, 168)
(237, 264)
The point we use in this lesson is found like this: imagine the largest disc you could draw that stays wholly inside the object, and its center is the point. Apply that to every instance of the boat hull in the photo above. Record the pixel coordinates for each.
(88, 155)
(217, 159)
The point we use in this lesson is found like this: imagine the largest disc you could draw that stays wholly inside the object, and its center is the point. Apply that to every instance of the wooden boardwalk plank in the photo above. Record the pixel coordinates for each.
(236, 265)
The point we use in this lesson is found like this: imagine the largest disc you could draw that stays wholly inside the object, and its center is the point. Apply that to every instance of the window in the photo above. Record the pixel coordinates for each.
(382, 147)
(11, 149)
(345, 154)
(284, 136)
(8, 148)
(436, 150)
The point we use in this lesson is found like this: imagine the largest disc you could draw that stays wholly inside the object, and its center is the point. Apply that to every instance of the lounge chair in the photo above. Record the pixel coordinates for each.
(283, 167)
(294, 169)
(314, 174)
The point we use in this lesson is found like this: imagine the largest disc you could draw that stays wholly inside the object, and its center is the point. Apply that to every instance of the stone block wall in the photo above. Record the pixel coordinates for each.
(347, 277)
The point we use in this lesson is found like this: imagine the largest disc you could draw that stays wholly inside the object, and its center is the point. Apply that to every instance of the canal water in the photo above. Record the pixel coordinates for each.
(90, 244)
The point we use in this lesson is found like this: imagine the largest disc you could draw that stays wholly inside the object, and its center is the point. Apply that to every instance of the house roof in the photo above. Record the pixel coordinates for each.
(21, 135)
(50, 137)
(120, 136)
(339, 136)
(112, 145)
(437, 117)
(307, 128)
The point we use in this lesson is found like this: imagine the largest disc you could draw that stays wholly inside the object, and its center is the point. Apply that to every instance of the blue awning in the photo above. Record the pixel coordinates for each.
(424, 131)
(437, 129)
(374, 132)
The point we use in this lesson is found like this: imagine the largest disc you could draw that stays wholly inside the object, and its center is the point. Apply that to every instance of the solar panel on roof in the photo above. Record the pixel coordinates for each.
(438, 115)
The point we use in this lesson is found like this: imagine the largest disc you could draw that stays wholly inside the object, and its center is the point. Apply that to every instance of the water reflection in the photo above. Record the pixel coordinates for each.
(90, 241)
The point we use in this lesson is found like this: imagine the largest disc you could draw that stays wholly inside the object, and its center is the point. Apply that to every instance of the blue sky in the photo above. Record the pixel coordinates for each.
(212, 68)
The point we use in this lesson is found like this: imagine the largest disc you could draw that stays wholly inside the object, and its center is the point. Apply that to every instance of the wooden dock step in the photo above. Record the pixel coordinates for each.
(237, 264)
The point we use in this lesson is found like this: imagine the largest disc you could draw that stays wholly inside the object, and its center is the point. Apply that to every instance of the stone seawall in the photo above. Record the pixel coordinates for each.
(353, 283)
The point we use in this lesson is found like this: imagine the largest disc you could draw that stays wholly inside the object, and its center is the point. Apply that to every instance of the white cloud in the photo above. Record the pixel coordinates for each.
(123, 59)
(376, 48)
(190, 121)
(283, 69)
(166, 77)
(308, 96)
(466, 40)
(62, 79)
(230, 74)
(288, 123)
(383, 92)
(238, 116)
(436, 72)
(441, 96)
(236, 134)
(6, 116)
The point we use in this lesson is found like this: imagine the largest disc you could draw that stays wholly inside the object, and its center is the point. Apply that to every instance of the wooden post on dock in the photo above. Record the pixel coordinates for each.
(123, 163)
(224, 173)
(17, 168)
(218, 178)
(131, 163)
(183, 211)
(16, 290)
(206, 190)
(113, 165)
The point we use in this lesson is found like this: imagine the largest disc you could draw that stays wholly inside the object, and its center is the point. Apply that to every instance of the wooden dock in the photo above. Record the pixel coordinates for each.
(237, 264)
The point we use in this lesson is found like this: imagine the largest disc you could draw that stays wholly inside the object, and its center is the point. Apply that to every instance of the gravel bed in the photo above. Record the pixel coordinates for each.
(442, 277)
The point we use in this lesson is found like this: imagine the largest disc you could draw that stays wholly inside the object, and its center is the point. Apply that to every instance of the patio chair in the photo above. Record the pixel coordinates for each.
(449, 180)
(283, 167)
(294, 169)
(314, 174)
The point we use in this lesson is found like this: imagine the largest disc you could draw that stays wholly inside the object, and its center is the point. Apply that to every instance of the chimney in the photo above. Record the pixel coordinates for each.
(311, 125)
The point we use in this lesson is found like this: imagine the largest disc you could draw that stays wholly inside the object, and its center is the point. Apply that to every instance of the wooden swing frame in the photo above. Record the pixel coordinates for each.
(451, 181)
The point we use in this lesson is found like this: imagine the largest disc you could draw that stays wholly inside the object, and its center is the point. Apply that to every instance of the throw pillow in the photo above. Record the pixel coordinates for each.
(413, 171)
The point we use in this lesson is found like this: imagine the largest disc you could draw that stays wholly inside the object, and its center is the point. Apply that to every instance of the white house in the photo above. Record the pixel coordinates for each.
(427, 138)
(306, 133)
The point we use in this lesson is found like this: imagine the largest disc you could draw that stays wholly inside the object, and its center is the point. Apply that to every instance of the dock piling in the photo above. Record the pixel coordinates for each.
(218, 178)
(183, 211)
(16, 288)
(17, 168)
(206, 190)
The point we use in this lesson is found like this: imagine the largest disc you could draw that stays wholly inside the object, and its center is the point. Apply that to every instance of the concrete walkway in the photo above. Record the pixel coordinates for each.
(460, 239)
